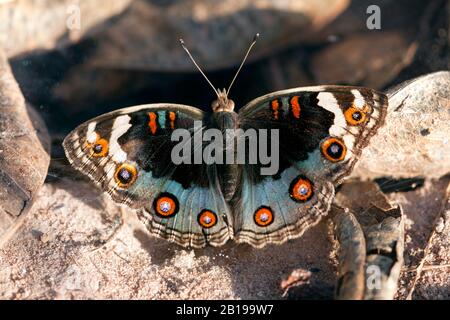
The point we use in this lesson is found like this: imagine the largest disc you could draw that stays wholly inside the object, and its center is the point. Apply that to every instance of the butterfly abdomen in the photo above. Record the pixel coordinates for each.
(228, 172)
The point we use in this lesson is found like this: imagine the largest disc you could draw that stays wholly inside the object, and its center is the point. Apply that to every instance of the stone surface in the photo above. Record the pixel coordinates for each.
(425, 274)
(70, 247)
(24, 153)
(415, 139)
(382, 226)
(75, 243)
(370, 58)
(27, 25)
(217, 32)
(351, 255)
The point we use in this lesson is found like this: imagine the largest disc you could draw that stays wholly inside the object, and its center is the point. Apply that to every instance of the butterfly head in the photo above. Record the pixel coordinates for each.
(222, 103)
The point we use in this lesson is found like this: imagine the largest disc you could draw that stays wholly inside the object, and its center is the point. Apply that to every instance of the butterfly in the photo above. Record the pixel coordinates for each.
(321, 131)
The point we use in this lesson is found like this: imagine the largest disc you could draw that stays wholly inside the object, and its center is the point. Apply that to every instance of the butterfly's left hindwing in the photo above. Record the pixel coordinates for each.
(128, 154)
(322, 131)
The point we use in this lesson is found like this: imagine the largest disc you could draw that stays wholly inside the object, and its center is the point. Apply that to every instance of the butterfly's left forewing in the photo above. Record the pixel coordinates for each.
(128, 154)
(321, 132)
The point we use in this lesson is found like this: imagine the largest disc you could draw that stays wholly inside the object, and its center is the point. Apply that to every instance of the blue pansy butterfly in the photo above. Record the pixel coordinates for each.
(321, 132)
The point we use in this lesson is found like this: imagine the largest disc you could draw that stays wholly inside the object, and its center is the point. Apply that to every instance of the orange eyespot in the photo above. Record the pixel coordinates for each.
(99, 148)
(301, 189)
(263, 216)
(295, 107)
(166, 205)
(207, 219)
(355, 116)
(125, 175)
(334, 149)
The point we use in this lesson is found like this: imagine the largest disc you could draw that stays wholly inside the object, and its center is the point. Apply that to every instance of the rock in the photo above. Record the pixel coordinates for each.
(27, 25)
(24, 153)
(372, 59)
(427, 253)
(371, 259)
(432, 36)
(361, 56)
(351, 255)
(353, 20)
(217, 32)
(415, 139)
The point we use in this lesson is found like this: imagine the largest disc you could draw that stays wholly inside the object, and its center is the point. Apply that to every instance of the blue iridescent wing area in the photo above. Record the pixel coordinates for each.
(322, 131)
(127, 153)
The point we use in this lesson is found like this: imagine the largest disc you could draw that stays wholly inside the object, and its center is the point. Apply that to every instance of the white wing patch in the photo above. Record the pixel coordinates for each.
(120, 127)
(339, 127)
(359, 99)
(91, 135)
(329, 102)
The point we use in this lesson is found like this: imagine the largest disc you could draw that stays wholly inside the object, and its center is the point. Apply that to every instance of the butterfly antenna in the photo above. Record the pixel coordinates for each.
(255, 38)
(198, 67)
